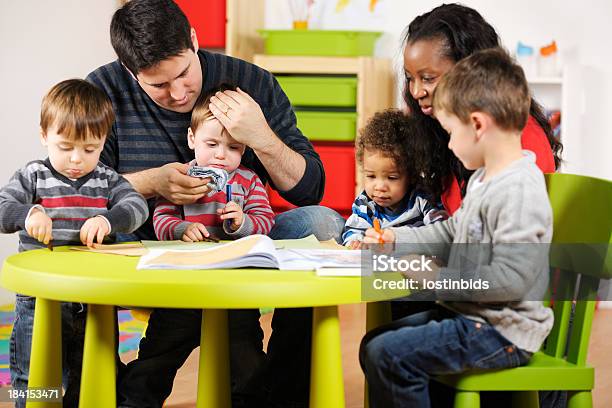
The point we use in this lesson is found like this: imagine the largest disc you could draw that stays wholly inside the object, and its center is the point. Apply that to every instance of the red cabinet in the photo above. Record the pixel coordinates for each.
(339, 163)
(208, 19)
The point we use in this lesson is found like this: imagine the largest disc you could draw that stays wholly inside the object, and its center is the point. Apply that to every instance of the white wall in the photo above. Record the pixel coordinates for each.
(582, 31)
(42, 43)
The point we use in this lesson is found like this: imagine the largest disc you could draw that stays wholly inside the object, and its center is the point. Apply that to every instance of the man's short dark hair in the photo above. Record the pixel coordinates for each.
(146, 32)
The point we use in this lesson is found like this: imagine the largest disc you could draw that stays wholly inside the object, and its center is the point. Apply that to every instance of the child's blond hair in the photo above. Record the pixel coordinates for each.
(487, 81)
(201, 112)
(78, 110)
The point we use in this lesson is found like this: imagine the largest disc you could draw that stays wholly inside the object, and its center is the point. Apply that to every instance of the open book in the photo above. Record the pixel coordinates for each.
(256, 251)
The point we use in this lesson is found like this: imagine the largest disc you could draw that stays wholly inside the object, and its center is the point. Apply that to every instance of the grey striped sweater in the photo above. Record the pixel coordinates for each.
(69, 203)
(145, 135)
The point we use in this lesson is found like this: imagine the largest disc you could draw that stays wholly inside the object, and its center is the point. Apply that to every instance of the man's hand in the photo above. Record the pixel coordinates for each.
(232, 211)
(242, 117)
(94, 228)
(373, 237)
(195, 232)
(176, 186)
(39, 226)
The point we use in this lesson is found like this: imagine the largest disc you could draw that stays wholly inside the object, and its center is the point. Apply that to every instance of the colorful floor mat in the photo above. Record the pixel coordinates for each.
(130, 332)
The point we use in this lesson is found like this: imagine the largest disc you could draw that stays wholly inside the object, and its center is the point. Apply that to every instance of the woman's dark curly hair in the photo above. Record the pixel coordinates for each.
(407, 140)
(463, 32)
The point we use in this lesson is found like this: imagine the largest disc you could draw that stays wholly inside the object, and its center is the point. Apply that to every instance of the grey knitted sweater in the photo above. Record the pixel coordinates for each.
(69, 203)
(507, 223)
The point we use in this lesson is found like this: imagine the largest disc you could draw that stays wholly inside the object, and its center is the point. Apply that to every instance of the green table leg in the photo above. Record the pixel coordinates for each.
(580, 399)
(214, 373)
(377, 314)
(46, 357)
(326, 381)
(525, 399)
(467, 399)
(98, 380)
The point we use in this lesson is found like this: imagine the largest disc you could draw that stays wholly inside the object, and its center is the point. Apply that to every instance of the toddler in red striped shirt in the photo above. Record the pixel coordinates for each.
(245, 212)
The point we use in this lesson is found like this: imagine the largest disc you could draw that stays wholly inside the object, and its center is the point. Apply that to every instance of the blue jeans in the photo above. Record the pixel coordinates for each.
(73, 332)
(279, 379)
(399, 359)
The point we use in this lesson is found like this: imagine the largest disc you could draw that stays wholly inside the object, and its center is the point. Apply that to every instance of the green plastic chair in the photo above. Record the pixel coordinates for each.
(582, 213)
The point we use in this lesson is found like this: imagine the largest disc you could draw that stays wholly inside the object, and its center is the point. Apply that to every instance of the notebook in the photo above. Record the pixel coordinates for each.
(256, 251)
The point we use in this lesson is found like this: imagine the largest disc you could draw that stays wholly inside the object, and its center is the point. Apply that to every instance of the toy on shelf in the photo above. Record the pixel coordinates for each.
(343, 3)
(526, 58)
(300, 13)
(548, 64)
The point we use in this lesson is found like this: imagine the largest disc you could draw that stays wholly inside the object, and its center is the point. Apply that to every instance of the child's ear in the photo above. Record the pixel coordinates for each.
(481, 122)
(190, 138)
(43, 136)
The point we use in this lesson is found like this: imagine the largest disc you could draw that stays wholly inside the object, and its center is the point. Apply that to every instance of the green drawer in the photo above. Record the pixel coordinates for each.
(328, 126)
(319, 42)
(320, 91)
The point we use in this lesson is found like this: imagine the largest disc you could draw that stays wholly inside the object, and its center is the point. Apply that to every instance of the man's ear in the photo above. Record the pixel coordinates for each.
(194, 39)
(43, 136)
(481, 123)
(190, 138)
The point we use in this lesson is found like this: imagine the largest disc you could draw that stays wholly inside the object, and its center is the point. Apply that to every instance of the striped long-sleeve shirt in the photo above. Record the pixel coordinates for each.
(69, 203)
(171, 220)
(146, 135)
(414, 210)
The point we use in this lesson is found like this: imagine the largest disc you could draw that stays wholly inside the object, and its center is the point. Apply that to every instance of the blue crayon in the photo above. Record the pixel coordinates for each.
(228, 193)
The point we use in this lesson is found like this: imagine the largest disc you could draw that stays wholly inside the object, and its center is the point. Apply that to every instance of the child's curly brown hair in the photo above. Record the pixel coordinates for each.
(409, 141)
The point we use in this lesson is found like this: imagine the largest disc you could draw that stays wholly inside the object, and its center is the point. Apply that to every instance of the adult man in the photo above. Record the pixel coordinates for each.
(153, 86)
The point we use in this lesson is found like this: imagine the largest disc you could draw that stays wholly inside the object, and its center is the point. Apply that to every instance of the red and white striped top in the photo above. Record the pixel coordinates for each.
(170, 220)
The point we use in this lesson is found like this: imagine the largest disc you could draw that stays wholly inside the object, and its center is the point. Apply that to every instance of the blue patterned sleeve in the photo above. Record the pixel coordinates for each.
(432, 213)
(359, 221)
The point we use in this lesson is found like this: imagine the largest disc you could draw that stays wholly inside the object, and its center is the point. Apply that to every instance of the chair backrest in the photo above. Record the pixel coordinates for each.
(582, 227)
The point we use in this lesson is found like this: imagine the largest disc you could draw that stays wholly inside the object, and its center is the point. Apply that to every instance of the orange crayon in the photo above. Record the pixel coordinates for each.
(377, 228)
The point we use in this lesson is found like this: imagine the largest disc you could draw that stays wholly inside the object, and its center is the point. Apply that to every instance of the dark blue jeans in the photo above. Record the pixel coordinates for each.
(279, 379)
(73, 332)
(399, 359)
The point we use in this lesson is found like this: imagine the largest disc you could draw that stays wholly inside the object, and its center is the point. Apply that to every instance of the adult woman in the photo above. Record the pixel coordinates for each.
(435, 41)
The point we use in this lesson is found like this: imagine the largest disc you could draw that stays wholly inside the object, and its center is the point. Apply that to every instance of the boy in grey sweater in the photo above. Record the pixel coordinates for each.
(506, 220)
(68, 198)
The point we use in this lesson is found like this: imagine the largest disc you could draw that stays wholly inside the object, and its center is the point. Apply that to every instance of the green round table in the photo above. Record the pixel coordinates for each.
(103, 280)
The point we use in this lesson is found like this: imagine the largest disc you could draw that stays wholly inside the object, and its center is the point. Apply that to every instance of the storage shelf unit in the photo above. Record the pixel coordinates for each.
(328, 121)
(551, 93)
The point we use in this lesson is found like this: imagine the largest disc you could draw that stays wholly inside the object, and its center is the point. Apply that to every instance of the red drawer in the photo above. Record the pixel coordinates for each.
(208, 19)
(339, 163)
